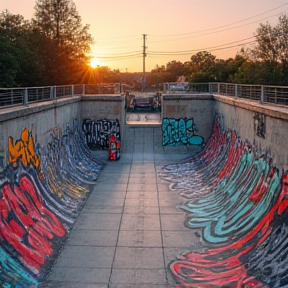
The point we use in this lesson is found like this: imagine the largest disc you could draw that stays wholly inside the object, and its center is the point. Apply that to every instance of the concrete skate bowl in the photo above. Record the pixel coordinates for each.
(236, 201)
(42, 191)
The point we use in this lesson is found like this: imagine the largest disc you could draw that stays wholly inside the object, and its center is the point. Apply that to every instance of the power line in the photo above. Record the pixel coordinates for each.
(184, 52)
(137, 54)
(134, 54)
(227, 25)
(223, 30)
(120, 59)
(128, 56)
(119, 37)
(121, 54)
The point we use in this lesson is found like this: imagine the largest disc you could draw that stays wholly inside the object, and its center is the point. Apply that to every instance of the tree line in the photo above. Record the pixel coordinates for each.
(53, 49)
(265, 62)
(50, 49)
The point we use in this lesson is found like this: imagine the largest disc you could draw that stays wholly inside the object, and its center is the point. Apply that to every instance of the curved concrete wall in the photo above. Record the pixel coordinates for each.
(248, 117)
(46, 175)
(40, 118)
(235, 200)
(265, 125)
(48, 168)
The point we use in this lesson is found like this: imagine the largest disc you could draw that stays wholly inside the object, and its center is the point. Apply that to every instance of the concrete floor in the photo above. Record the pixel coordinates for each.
(130, 228)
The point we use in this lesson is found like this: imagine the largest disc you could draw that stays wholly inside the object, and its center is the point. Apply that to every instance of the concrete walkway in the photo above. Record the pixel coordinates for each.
(130, 228)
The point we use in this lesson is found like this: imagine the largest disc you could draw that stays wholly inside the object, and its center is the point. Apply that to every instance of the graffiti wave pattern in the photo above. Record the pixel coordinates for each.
(41, 194)
(236, 201)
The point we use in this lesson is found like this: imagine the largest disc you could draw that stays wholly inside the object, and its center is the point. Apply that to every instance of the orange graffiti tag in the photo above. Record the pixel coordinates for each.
(23, 150)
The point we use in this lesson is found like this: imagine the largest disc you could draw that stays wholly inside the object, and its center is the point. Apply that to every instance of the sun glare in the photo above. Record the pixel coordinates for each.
(94, 62)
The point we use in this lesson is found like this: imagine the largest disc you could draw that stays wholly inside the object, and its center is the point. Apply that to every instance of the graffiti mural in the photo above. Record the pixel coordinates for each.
(180, 132)
(236, 201)
(98, 132)
(24, 149)
(37, 210)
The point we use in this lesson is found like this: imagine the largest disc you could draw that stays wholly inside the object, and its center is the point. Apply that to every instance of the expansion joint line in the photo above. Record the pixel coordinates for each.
(159, 210)
(120, 223)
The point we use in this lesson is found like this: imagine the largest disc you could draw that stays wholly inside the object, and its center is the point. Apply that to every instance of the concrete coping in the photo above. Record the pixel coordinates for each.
(101, 97)
(22, 111)
(15, 112)
(190, 96)
(269, 109)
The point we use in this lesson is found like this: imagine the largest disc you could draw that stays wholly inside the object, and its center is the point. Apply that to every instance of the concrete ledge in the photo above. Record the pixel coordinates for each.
(33, 108)
(275, 111)
(103, 98)
(183, 96)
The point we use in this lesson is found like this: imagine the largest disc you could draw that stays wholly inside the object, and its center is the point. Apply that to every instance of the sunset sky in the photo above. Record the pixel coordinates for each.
(175, 29)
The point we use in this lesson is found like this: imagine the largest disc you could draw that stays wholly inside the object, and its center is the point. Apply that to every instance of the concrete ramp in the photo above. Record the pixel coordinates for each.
(236, 202)
(158, 217)
(40, 202)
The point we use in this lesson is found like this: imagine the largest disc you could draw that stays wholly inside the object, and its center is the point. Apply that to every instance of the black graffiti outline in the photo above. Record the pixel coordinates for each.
(97, 132)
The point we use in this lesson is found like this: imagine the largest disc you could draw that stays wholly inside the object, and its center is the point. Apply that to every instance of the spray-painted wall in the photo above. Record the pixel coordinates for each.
(240, 212)
(40, 118)
(46, 173)
(104, 107)
(97, 133)
(266, 125)
(40, 180)
(200, 108)
(42, 190)
(238, 206)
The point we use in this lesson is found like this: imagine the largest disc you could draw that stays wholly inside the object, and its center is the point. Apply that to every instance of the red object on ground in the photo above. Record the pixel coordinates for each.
(114, 148)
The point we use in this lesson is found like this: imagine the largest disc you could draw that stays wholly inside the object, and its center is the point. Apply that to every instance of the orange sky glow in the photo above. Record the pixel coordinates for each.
(175, 29)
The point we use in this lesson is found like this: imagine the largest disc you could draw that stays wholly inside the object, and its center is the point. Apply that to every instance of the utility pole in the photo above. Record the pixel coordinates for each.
(144, 56)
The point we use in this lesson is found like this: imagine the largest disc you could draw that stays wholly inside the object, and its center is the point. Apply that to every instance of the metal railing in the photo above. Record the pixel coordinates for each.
(262, 93)
(10, 97)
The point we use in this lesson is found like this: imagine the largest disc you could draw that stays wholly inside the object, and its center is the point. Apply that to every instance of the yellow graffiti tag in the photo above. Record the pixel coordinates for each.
(23, 150)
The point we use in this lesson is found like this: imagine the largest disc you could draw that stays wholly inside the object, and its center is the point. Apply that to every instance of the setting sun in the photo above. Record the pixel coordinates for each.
(94, 62)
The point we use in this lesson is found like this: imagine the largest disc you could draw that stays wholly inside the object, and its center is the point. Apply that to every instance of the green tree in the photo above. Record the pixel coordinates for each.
(200, 68)
(256, 72)
(272, 49)
(9, 65)
(175, 69)
(202, 61)
(19, 64)
(160, 75)
(69, 41)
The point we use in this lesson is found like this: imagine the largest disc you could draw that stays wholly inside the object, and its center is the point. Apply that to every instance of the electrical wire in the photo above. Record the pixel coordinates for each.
(129, 55)
(227, 25)
(178, 53)
(120, 59)
(119, 37)
(208, 48)
(205, 34)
